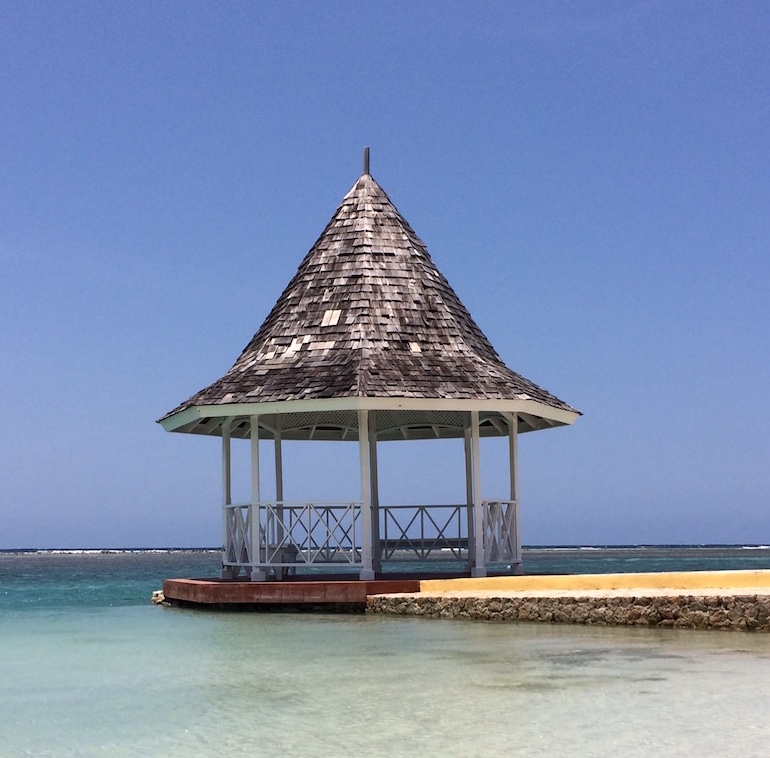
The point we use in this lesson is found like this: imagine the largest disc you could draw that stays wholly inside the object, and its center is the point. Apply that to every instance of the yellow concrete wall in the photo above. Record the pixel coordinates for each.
(682, 580)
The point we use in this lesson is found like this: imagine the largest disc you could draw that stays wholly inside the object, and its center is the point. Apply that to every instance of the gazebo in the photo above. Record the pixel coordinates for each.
(368, 343)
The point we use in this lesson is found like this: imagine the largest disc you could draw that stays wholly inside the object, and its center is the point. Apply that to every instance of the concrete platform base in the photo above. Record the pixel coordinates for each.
(290, 594)
(726, 600)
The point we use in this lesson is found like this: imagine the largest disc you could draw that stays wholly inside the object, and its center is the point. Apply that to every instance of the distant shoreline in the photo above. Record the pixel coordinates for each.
(106, 550)
(527, 548)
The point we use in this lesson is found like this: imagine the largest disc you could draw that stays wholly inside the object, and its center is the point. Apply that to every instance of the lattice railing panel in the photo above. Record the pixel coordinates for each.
(423, 532)
(301, 534)
(500, 524)
(293, 534)
(237, 547)
(308, 533)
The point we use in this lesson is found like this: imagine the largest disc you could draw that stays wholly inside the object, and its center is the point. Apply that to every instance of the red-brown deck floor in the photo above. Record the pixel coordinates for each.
(294, 591)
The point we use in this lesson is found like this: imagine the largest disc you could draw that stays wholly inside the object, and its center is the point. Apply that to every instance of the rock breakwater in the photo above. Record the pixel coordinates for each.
(735, 612)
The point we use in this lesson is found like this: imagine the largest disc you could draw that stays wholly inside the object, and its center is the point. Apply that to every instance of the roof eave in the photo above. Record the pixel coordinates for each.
(182, 421)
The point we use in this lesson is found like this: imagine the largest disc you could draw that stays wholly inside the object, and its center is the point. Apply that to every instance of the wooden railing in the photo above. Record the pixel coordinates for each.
(423, 532)
(292, 534)
(306, 534)
(502, 536)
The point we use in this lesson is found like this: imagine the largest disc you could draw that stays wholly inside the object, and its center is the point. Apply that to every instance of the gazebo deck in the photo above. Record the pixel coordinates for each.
(321, 592)
(333, 593)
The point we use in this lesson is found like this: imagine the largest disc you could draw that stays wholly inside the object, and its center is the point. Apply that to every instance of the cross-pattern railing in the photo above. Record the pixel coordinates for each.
(293, 534)
(501, 531)
(237, 547)
(420, 532)
(306, 534)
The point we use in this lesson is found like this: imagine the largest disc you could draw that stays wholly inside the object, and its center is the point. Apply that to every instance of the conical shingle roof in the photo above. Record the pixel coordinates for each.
(369, 315)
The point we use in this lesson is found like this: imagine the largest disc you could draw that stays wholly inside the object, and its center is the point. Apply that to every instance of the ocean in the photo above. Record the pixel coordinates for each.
(88, 667)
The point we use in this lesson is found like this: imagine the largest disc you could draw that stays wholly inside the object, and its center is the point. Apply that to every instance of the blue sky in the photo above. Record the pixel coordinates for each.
(592, 178)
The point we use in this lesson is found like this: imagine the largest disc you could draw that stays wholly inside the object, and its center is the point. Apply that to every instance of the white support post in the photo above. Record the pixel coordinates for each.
(513, 452)
(377, 551)
(367, 570)
(258, 573)
(227, 491)
(279, 477)
(479, 567)
(254, 436)
(227, 499)
(469, 495)
(278, 464)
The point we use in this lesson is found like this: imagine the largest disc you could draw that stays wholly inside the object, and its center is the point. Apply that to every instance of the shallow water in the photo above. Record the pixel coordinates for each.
(112, 675)
(152, 681)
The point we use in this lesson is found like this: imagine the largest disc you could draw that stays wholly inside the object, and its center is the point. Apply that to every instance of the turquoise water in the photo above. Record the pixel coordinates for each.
(89, 668)
(608, 560)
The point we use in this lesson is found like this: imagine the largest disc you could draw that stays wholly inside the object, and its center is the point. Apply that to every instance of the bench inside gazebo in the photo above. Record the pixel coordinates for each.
(368, 345)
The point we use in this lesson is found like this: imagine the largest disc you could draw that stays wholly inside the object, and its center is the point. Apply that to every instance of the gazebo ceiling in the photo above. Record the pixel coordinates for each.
(368, 322)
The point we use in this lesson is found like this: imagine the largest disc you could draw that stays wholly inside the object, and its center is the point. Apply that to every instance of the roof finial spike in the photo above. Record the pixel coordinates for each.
(366, 161)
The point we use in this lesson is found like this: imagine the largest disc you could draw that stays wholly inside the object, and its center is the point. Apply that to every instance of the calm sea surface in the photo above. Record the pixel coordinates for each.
(89, 668)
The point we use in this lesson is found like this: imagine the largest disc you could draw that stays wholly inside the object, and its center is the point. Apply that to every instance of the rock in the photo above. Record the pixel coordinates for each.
(737, 612)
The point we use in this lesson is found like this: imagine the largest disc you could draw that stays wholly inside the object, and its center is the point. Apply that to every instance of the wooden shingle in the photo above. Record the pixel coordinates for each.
(368, 314)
